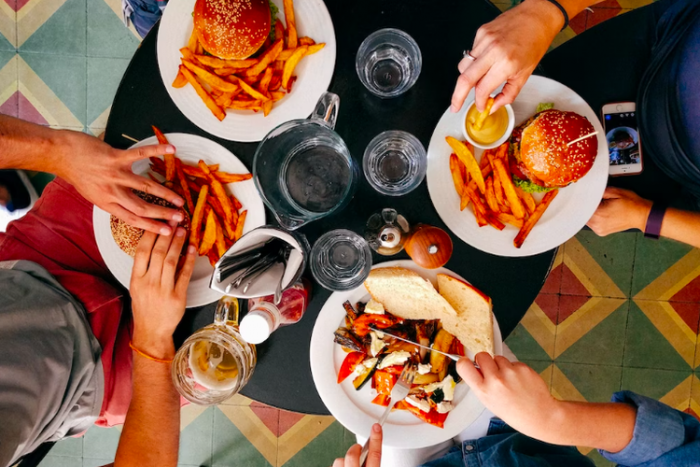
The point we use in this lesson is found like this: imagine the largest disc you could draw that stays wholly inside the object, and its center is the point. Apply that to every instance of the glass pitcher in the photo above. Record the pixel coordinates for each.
(215, 362)
(303, 169)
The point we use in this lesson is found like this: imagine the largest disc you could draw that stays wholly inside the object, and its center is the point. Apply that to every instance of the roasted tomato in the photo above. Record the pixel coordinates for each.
(458, 348)
(363, 322)
(432, 417)
(351, 361)
(382, 399)
(384, 381)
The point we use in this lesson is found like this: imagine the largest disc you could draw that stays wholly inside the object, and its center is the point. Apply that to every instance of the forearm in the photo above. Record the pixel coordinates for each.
(152, 428)
(607, 426)
(683, 226)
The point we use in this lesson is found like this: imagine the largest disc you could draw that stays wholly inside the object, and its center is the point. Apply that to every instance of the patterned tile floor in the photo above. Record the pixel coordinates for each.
(620, 312)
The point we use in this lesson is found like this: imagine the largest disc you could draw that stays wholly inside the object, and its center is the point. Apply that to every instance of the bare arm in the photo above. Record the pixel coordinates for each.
(99, 172)
(518, 395)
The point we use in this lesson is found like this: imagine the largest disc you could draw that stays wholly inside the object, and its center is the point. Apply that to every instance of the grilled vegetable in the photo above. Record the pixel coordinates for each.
(427, 378)
(347, 340)
(351, 361)
(363, 322)
(443, 342)
(350, 311)
(366, 375)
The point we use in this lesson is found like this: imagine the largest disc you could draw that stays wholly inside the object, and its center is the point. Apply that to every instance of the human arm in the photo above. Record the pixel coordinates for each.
(100, 173)
(509, 48)
(159, 292)
(374, 456)
(622, 210)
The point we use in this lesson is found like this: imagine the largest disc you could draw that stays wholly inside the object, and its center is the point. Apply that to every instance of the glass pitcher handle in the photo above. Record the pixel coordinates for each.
(327, 109)
(226, 311)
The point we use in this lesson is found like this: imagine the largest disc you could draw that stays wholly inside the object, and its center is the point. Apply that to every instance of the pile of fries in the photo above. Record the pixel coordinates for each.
(488, 186)
(251, 84)
(216, 222)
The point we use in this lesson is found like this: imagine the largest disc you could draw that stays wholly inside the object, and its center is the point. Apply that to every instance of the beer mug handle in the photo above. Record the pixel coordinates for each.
(326, 111)
(226, 311)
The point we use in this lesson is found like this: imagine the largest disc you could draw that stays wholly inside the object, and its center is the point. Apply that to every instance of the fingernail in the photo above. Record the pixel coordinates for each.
(179, 202)
(453, 109)
(165, 231)
(191, 249)
(170, 149)
(178, 217)
(180, 232)
(376, 428)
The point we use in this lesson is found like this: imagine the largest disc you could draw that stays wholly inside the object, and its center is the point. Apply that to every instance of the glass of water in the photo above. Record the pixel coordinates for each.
(395, 163)
(340, 260)
(388, 62)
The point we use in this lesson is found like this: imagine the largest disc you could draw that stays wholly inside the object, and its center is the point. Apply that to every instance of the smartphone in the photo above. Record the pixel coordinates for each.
(622, 134)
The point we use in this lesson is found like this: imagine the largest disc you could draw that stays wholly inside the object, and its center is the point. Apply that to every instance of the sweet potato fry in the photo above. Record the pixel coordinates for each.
(215, 62)
(196, 172)
(279, 29)
(481, 118)
(476, 199)
(185, 187)
(314, 48)
(306, 41)
(532, 220)
(277, 95)
(291, 24)
(204, 95)
(311, 49)
(209, 237)
(269, 56)
(492, 219)
(480, 219)
(193, 186)
(491, 196)
(265, 80)
(169, 159)
(196, 220)
(213, 257)
(467, 158)
(220, 241)
(220, 194)
(507, 183)
(251, 91)
(180, 80)
(211, 79)
(500, 196)
(291, 64)
(239, 226)
(267, 108)
(510, 219)
(527, 199)
(457, 168)
(236, 204)
(246, 105)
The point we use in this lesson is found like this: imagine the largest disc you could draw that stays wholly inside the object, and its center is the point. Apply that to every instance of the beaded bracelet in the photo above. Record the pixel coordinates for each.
(145, 355)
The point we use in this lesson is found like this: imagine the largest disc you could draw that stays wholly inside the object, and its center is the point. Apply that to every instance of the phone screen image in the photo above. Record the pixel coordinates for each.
(623, 138)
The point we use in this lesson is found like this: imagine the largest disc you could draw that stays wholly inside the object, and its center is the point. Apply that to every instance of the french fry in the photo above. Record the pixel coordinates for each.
(314, 48)
(220, 241)
(291, 64)
(306, 41)
(467, 158)
(481, 118)
(236, 204)
(193, 41)
(476, 199)
(248, 89)
(215, 62)
(185, 187)
(227, 71)
(509, 189)
(267, 108)
(279, 29)
(196, 220)
(220, 194)
(180, 80)
(211, 79)
(187, 54)
(265, 80)
(456, 170)
(213, 257)
(510, 219)
(291, 24)
(169, 159)
(196, 172)
(204, 95)
(193, 186)
(239, 226)
(480, 220)
(491, 196)
(276, 95)
(209, 236)
(527, 199)
(534, 218)
(500, 196)
(269, 56)
(484, 159)
(246, 105)
(492, 219)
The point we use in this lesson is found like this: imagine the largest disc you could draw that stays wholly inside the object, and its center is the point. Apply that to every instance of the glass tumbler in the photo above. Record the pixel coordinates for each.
(395, 163)
(340, 260)
(388, 62)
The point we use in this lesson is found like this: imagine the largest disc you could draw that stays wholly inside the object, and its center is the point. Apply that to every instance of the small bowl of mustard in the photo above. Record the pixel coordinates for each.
(494, 131)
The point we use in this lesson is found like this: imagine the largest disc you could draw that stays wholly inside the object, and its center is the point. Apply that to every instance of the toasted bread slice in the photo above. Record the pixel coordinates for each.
(473, 325)
(406, 294)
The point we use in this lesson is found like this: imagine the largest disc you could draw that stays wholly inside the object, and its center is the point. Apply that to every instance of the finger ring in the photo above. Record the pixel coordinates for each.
(467, 54)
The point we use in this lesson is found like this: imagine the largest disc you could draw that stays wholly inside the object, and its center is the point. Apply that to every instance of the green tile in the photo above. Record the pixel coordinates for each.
(231, 448)
(40, 180)
(6, 44)
(54, 461)
(332, 443)
(524, 346)
(596, 383)
(646, 347)
(66, 76)
(652, 258)
(538, 365)
(196, 440)
(5, 56)
(614, 253)
(604, 344)
(103, 78)
(106, 34)
(599, 460)
(652, 383)
(68, 447)
(63, 33)
(101, 443)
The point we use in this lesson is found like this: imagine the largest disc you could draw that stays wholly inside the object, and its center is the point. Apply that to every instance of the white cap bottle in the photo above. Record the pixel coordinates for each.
(261, 321)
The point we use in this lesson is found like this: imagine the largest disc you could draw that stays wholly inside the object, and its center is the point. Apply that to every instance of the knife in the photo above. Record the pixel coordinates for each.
(451, 356)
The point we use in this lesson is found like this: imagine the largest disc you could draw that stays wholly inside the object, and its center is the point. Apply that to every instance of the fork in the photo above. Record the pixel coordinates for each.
(398, 393)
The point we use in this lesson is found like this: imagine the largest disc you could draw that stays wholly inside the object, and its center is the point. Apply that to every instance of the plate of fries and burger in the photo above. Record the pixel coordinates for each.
(355, 365)
(239, 68)
(221, 204)
(523, 179)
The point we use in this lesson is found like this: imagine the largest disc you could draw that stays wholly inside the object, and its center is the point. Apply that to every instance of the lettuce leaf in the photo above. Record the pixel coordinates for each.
(273, 19)
(544, 106)
(529, 187)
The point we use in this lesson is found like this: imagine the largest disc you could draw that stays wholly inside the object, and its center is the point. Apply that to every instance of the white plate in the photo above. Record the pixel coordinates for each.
(354, 409)
(190, 148)
(568, 213)
(314, 72)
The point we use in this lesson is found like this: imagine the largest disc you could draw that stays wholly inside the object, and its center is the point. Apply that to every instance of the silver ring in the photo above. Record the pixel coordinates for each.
(467, 54)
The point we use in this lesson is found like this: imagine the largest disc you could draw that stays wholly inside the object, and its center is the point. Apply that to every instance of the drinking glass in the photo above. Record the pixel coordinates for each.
(215, 362)
(395, 163)
(340, 260)
(388, 62)
(303, 168)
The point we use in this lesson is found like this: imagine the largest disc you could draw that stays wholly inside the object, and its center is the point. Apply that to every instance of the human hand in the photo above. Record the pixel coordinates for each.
(507, 49)
(514, 392)
(159, 291)
(618, 211)
(374, 457)
(103, 176)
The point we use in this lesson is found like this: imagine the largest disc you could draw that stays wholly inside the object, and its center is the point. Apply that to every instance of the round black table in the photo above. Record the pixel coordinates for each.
(443, 30)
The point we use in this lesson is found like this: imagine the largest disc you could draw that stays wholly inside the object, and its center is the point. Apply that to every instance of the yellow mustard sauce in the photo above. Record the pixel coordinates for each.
(493, 128)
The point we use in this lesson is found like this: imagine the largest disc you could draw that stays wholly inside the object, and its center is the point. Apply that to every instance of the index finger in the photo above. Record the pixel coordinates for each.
(374, 456)
(467, 81)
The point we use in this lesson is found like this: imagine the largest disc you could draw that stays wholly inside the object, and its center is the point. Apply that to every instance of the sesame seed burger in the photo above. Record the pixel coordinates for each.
(542, 160)
(127, 236)
(232, 29)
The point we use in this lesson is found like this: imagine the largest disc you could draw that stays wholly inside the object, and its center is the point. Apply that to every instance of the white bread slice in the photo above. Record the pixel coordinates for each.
(473, 325)
(406, 294)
